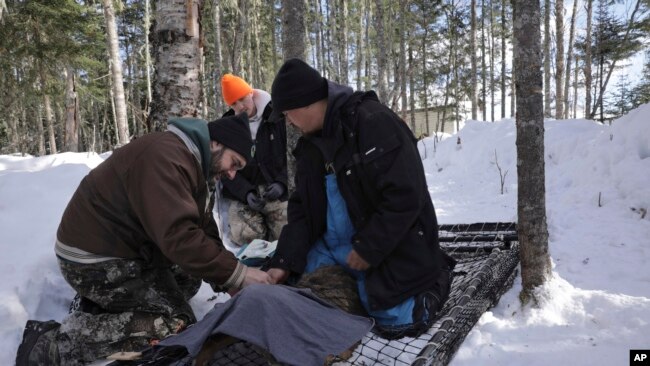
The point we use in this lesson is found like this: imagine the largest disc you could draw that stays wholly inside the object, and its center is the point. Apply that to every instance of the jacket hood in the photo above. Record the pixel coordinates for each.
(196, 130)
(337, 95)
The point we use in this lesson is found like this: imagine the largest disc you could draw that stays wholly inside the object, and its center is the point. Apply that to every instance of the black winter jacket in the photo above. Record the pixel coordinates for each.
(381, 177)
(269, 163)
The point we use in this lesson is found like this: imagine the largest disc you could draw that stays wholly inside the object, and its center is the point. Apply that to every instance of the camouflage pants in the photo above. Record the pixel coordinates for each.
(138, 304)
(246, 224)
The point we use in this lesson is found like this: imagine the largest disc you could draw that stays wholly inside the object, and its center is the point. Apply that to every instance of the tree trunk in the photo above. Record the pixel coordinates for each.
(360, 45)
(569, 55)
(293, 46)
(71, 136)
(369, 56)
(547, 58)
(559, 58)
(177, 51)
(116, 73)
(472, 50)
(274, 46)
(492, 86)
(147, 56)
(334, 40)
(382, 56)
(425, 84)
(50, 124)
(531, 205)
(402, 57)
(412, 91)
(503, 58)
(293, 29)
(513, 87)
(3, 7)
(317, 27)
(343, 36)
(41, 132)
(483, 66)
(575, 89)
(47, 104)
(218, 62)
(259, 75)
(588, 61)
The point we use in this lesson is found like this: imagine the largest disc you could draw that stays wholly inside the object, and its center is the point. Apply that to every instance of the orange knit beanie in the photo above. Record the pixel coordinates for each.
(233, 88)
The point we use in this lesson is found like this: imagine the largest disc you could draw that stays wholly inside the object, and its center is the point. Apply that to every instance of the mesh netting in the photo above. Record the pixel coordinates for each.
(487, 255)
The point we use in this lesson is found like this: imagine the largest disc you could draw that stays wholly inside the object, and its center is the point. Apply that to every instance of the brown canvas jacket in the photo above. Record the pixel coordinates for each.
(149, 200)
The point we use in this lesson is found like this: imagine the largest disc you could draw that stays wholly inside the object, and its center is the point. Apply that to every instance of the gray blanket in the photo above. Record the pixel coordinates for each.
(295, 326)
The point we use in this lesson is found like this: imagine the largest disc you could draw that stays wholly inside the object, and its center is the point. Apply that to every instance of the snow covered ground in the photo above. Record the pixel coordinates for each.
(594, 310)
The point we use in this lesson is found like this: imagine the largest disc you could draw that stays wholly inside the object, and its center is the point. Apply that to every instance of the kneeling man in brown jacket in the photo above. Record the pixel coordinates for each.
(138, 236)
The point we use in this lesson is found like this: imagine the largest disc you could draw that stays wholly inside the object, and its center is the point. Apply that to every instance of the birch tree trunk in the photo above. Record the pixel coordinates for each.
(588, 61)
(293, 46)
(503, 58)
(71, 136)
(147, 55)
(218, 62)
(50, 123)
(547, 58)
(472, 47)
(569, 56)
(559, 58)
(177, 51)
(116, 73)
(531, 205)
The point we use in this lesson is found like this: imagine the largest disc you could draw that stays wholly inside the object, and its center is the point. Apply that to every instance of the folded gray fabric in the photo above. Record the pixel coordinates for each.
(295, 326)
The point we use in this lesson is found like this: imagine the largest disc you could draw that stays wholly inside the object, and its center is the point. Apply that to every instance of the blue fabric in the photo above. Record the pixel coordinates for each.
(333, 249)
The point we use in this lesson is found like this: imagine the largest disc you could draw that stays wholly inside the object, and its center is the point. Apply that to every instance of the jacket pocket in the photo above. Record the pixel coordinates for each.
(377, 159)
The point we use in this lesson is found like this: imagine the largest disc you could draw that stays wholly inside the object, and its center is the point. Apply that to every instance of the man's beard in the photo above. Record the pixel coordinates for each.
(217, 171)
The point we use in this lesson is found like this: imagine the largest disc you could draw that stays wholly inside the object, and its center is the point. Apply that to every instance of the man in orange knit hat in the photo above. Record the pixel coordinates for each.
(257, 197)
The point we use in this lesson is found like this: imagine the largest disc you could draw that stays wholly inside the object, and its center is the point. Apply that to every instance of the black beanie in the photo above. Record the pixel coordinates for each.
(297, 85)
(234, 133)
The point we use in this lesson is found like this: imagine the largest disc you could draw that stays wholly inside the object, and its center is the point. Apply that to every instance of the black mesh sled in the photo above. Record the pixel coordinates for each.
(487, 255)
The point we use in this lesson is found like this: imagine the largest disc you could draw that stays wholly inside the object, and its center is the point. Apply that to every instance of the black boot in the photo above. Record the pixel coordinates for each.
(39, 344)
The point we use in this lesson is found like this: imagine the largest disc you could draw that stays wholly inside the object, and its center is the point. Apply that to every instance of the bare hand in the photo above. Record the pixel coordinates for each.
(254, 275)
(278, 275)
(356, 262)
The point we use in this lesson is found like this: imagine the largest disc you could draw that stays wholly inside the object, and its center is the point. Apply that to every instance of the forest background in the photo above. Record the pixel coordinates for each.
(91, 75)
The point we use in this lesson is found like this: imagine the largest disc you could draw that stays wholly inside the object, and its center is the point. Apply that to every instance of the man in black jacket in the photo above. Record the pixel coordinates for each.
(257, 196)
(361, 202)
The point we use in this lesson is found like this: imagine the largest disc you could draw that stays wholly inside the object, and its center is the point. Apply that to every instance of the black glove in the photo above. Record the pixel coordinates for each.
(254, 201)
(273, 191)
